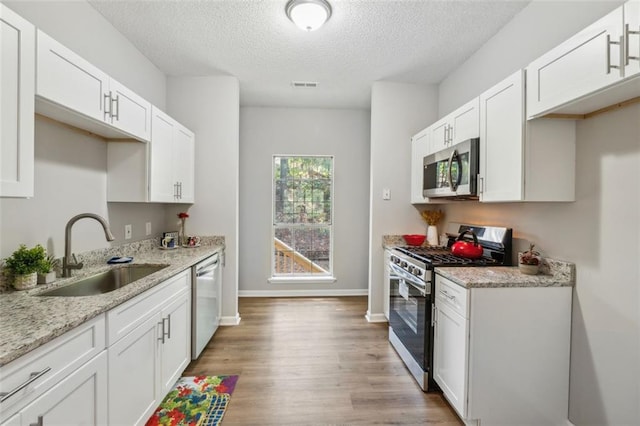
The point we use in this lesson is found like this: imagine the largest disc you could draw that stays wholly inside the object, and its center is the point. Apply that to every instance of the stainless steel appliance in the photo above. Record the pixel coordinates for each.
(412, 285)
(205, 302)
(452, 172)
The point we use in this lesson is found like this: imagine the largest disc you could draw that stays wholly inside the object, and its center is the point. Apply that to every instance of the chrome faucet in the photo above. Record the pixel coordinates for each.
(69, 261)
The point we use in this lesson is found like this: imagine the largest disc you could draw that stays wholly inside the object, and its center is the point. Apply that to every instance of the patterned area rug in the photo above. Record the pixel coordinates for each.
(195, 401)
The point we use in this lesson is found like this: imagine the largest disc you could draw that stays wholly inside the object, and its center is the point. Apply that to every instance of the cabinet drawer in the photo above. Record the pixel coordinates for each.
(54, 360)
(126, 317)
(451, 294)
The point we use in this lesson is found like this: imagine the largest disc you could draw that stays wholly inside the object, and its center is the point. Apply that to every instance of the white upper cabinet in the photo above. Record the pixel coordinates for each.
(456, 127)
(571, 77)
(632, 36)
(419, 149)
(161, 171)
(17, 86)
(73, 91)
(523, 160)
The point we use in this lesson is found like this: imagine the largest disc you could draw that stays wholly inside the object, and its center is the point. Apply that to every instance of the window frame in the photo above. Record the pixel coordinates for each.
(301, 277)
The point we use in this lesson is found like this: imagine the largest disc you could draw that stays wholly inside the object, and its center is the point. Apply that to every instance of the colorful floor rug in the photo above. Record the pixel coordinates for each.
(195, 401)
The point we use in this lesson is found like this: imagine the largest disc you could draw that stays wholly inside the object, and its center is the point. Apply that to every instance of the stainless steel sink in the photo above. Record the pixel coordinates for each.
(105, 282)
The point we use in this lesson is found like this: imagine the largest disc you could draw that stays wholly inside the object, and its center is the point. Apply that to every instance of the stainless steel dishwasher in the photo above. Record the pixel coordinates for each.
(206, 302)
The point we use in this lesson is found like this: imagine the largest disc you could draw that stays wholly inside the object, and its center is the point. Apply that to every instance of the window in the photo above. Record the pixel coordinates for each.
(302, 217)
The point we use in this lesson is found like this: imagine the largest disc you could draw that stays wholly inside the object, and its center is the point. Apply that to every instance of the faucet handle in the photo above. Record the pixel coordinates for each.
(77, 265)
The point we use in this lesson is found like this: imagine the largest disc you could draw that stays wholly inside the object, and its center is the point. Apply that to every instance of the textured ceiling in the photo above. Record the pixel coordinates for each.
(363, 41)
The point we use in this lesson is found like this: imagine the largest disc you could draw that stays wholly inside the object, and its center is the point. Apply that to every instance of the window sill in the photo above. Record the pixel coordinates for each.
(301, 280)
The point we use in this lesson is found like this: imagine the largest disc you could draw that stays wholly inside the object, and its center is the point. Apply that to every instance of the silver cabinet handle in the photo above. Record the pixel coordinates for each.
(115, 114)
(627, 33)
(452, 132)
(620, 66)
(32, 378)
(175, 191)
(40, 422)
(169, 326)
(445, 294)
(107, 105)
(161, 338)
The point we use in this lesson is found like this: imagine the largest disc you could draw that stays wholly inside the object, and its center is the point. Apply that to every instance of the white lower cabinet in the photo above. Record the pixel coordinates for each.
(80, 399)
(73, 380)
(149, 359)
(501, 355)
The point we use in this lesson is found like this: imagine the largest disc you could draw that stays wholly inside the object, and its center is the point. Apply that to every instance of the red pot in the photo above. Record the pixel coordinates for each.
(467, 249)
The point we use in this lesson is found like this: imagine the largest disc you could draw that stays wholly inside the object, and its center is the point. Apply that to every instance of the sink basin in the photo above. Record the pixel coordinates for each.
(105, 282)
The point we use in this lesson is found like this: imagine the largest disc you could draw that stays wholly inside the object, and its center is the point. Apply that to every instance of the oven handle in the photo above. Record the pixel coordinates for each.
(409, 279)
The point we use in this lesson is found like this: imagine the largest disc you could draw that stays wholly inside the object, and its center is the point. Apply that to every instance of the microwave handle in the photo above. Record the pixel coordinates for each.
(454, 185)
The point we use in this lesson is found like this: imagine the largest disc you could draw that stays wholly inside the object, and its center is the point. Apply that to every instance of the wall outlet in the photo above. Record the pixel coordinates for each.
(386, 194)
(127, 232)
(148, 228)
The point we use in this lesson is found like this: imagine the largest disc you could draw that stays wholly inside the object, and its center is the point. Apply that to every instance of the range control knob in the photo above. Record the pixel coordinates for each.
(411, 269)
(403, 264)
(417, 272)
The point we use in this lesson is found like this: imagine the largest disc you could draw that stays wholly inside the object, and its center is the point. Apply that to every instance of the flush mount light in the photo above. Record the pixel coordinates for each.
(308, 15)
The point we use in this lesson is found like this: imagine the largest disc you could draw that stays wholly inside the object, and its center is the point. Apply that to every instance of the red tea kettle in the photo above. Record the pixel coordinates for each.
(467, 249)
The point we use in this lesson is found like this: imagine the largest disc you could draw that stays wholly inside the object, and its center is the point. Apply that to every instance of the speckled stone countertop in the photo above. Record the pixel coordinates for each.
(553, 273)
(28, 321)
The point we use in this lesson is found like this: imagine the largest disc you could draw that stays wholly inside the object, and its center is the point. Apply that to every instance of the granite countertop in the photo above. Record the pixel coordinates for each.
(28, 321)
(553, 273)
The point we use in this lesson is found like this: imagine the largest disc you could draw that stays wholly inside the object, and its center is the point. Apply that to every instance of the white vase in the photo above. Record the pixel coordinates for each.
(25, 282)
(432, 235)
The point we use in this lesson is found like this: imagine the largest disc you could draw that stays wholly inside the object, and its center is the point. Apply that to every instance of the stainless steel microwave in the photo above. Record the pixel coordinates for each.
(452, 172)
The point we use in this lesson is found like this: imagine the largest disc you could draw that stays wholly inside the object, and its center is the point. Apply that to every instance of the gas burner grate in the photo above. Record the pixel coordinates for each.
(440, 256)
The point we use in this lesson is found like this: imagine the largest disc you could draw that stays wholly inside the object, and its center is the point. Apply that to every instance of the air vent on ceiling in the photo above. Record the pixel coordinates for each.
(304, 84)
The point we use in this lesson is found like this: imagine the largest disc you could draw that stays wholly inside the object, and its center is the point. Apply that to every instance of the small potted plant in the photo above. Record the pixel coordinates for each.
(47, 272)
(529, 261)
(24, 265)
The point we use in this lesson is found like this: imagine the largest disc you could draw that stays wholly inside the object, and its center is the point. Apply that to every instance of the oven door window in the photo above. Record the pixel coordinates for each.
(407, 316)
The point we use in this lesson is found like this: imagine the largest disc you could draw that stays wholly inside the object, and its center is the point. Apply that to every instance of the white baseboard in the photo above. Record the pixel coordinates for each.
(235, 320)
(569, 423)
(375, 317)
(303, 293)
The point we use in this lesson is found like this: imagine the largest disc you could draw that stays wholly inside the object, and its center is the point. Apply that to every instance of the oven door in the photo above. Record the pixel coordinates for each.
(410, 313)
(452, 172)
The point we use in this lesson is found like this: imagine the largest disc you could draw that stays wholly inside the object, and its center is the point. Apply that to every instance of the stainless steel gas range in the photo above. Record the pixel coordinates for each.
(412, 284)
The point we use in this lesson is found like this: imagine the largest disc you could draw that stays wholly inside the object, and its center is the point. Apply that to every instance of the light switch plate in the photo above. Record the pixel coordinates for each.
(127, 232)
(148, 228)
(386, 194)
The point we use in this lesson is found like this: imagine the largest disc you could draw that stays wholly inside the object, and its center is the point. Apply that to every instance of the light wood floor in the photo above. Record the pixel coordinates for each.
(314, 361)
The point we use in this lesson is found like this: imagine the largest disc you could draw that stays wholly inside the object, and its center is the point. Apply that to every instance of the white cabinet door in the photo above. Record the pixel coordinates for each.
(502, 139)
(68, 80)
(632, 35)
(175, 351)
(129, 112)
(465, 122)
(134, 388)
(79, 399)
(419, 149)
(184, 156)
(17, 88)
(451, 340)
(577, 67)
(439, 135)
(162, 186)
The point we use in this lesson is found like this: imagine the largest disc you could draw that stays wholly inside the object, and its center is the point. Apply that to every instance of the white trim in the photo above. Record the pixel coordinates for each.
(302, 280)
(235, 320)
(569, 423)
(304, 293)
(375, 317)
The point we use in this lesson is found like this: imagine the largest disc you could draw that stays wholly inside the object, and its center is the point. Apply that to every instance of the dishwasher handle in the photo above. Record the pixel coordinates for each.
(207, 269)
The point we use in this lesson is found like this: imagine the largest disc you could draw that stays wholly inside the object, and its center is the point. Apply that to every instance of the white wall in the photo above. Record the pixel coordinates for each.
(398, 111)
(209, 106)
(599, 232)
(343, 133)
(70, 167)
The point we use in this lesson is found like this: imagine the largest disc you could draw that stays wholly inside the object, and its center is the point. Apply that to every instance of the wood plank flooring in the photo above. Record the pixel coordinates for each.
(316, 361)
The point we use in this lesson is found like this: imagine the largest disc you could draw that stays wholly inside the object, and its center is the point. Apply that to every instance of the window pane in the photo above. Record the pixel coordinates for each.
(302, 203)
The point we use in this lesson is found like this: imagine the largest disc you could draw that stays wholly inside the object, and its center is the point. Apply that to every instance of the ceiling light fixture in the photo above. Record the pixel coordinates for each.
(308, 15)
